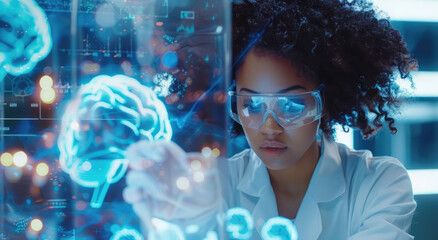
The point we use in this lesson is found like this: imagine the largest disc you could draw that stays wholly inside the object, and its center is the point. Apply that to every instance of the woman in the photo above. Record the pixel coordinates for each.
(301, 67)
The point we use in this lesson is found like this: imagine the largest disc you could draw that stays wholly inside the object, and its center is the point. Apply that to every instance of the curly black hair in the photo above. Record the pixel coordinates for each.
(340, 43)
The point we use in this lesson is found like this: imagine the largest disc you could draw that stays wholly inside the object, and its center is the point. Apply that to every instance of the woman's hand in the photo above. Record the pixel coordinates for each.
(167, 183)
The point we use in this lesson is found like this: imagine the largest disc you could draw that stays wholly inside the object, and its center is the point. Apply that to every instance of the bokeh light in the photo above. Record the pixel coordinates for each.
(36, 225)
(46, 82)
(20, 159)
(169, 59)
(182, 183)
(215, 152)
(42, 169)
(105, 16)
(206, 151)
(74, 125)
(48, 95)
(6, 159)
(86, 166)
(196, 165)
(48, 139)
(81, 205)
(198, 177)
(90, 67)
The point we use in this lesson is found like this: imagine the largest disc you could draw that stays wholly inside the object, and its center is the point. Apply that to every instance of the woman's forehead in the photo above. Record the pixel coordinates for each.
(269, 73)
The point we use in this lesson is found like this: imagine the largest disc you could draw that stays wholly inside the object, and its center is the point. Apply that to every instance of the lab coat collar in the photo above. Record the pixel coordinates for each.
(328, 180)
(327, 183)
(255, 180)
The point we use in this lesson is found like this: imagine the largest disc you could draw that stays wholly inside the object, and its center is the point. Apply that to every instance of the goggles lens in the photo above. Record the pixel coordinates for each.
(289, 110)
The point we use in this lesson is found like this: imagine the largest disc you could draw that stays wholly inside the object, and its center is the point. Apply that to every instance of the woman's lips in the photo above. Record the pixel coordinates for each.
(272, 144)
(273, 148)
(273, 152)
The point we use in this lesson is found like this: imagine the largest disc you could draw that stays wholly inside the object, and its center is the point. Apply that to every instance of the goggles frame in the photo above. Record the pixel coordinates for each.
(287, 123)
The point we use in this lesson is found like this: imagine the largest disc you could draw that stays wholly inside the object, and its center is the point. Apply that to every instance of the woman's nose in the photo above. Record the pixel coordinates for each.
(271, 126)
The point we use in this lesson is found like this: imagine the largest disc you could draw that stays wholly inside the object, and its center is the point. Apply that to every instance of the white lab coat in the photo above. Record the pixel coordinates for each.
(352, 195)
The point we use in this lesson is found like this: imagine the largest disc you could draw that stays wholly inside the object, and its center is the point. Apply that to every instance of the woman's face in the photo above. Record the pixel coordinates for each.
(277, 147)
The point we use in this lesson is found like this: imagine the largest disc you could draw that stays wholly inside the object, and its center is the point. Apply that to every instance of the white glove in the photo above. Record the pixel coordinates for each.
(167, 183)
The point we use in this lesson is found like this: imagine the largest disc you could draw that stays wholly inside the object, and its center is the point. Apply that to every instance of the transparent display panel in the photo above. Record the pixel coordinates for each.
(80, 82)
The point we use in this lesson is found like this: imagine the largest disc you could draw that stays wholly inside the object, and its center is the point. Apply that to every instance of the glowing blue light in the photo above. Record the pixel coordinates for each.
(25, 36)
(187, 29)
(162, 83)
(279, 228)
(107, 115)
(165, 230)
(211, 235)
(22, 223)
(192, 229)
(239, 223)
(169, 59)
(127, 234)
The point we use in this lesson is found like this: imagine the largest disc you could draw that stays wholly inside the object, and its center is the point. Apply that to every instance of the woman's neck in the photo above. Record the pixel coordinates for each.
(295, 179)
(290, 185)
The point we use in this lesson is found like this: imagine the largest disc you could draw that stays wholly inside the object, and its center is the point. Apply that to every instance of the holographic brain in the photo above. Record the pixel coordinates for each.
(127, 234)
(25, 36)
(279, 228)
(239, 223)
(107, 115)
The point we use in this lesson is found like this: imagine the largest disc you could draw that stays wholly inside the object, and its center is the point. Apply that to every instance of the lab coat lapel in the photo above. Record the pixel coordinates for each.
(327, 183)
(265, 209)
(328, 180)
(308, 220)
(256, 183)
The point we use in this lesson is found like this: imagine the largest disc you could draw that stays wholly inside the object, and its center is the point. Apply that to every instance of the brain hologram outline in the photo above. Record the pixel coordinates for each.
(26, 38)
(107, 115)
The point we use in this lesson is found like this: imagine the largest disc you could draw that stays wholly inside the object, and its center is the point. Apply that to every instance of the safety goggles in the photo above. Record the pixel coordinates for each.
(289, 110)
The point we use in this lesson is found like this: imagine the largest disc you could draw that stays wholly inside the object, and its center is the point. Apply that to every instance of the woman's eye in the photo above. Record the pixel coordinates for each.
(253, 107)
(292, 107)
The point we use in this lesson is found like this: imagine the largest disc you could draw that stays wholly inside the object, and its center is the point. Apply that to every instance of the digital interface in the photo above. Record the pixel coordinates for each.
(83, 80)
(159, 70)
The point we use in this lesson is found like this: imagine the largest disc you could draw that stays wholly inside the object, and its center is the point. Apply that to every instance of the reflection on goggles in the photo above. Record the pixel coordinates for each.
(289, 110)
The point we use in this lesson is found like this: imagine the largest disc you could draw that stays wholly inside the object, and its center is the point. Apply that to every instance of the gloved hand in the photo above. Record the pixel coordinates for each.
(167, 183)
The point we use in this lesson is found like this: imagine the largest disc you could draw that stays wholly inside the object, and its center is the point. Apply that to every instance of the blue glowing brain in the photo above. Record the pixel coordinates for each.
(127, 234)
(239, 223)
(25, 36)
(107, 115)
(279, 228)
